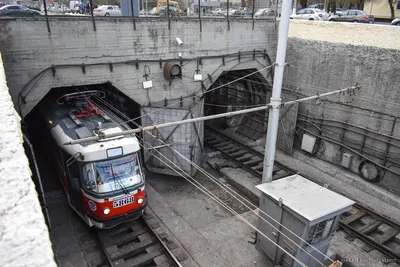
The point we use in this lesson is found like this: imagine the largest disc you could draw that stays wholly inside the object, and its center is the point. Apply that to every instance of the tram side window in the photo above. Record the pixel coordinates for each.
(89, 179)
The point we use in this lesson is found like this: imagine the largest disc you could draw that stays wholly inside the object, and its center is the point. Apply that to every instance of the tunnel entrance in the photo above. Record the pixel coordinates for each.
(225, 95)
(37, 136)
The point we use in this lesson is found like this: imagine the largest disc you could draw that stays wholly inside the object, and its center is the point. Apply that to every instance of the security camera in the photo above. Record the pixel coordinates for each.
(178, 41)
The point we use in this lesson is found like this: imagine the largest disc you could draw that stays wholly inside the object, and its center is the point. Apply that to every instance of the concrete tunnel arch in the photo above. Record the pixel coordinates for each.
(246, 92)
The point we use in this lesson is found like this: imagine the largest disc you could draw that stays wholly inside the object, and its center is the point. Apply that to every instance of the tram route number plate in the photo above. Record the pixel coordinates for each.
(123, 202)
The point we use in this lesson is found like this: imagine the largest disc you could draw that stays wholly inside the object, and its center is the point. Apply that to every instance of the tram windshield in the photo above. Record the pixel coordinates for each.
(111, 175)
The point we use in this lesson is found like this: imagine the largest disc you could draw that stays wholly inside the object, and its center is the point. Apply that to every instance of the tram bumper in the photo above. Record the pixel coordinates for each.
(117, 220)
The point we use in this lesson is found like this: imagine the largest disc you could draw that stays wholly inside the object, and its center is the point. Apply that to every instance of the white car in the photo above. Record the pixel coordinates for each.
(310, 14)
(107, 11)
(231, 11)
(266, 12)
(217, 11)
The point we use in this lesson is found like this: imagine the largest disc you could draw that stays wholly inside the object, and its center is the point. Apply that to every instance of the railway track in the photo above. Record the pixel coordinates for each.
(376, 231)
(248, 158)
(141, 243)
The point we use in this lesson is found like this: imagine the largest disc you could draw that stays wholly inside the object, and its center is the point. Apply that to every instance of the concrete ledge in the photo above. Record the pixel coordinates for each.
(346, 33)
(339, 180)
(345, 183)
(243, 181)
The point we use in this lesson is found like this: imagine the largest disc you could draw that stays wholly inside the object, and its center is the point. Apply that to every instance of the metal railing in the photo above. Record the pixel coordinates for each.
(168, 13)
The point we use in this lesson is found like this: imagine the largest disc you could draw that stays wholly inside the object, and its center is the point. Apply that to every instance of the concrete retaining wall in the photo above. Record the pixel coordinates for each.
(29, 49)
(24, 239)
(326, 56)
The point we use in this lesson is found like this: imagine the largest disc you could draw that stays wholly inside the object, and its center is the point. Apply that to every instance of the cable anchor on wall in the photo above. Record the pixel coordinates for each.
(145, 72)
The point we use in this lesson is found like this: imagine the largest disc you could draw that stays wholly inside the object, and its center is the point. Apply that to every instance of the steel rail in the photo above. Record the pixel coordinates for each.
(251, 150)
(167, 251)
(369, 241)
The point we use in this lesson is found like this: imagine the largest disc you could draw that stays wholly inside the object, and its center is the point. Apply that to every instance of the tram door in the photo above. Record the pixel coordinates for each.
(75, 188)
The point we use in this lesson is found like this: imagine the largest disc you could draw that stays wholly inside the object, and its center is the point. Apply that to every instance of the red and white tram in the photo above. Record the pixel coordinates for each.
(103, 180)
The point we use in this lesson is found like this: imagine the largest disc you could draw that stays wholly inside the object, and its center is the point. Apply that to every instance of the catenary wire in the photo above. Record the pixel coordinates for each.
(201, 94)
(216, 199)
(209, 193)
(212, 178)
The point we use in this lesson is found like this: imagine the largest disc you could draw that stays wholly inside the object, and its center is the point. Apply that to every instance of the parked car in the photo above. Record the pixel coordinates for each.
(231, 11)
(217, 11)
(339, 10)
(396, 22)
(18, 11)
(266, 12)
(310, 14)
(353, 15)
(317, 6)
(107, 10)
(153, 11)
(242, 12)
(173, 11)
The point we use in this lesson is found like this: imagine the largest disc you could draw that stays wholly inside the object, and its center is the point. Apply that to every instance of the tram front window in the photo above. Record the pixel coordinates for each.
(111, 175)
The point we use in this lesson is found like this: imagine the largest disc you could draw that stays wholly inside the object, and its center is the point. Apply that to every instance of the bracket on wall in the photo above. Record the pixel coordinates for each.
(53, 70)
(239, 56)
(111, 67)
(200, 62)
(198, 70)
(254, 54)
(223, 61)
(210, 78)
(137, 64)
(265, 52)
(83, 68)
(160, 63)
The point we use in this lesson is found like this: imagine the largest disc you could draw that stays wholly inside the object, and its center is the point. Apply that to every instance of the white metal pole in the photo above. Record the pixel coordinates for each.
(273, 119)
(294, 7)
(221, 115)
(147, 10)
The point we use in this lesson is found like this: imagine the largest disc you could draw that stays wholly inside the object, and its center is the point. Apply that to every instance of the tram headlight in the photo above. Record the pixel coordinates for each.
(106, 211)
(140, 201)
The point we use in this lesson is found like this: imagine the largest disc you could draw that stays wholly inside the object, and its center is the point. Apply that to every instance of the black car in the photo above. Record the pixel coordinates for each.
(17, 11)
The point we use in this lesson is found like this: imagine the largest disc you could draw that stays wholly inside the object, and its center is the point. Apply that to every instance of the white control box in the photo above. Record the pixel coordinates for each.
(346, 160)
(147, 84)
(308, 143)
(198, 77)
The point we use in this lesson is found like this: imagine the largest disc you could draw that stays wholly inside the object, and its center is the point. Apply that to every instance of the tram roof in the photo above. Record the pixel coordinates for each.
(77, 128)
